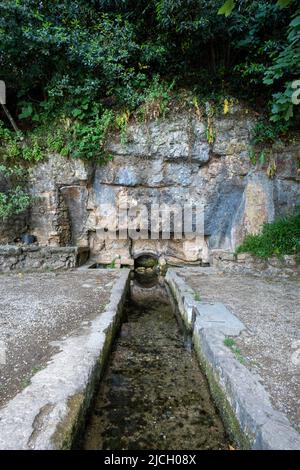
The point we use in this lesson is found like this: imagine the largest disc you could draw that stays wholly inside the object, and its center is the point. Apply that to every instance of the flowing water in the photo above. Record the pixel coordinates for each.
(153, 395)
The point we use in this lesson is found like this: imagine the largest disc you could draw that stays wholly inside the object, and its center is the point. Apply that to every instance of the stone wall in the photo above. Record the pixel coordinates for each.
(165, 161)
(40, 258)
(244, 263)
(57, 186)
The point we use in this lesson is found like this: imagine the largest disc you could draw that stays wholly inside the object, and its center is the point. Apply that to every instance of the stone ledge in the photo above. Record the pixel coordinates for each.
(245, 263)
(39, 258)
(243, 402)
(50, 412)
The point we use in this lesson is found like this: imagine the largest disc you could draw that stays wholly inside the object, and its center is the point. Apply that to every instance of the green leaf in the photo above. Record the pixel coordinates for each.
(295, 22)
(26, 111)
(289, 113)
(268, 81)
(76, 112)
(227, 8)
(284, 3)
(262, 158)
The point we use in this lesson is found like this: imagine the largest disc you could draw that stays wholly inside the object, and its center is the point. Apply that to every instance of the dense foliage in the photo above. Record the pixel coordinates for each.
(14, 199)
(71, 62)
(65, 56)
(281, 237)
(13, 202)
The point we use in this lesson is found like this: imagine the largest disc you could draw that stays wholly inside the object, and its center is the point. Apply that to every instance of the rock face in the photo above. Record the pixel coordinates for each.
(59, 187)
(163, 162)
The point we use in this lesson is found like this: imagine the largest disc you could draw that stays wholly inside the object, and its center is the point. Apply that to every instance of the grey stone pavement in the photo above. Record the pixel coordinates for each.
(36, 311)
(270, 344)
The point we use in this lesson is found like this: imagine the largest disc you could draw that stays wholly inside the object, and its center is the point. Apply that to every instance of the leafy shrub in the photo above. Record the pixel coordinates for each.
(281, 237)
(32, 152)
(14, 202)
(82, 134)
(15, 199)
(5, 134)
(60, 58)
(89, 139)
(286, 66)
(15, 148)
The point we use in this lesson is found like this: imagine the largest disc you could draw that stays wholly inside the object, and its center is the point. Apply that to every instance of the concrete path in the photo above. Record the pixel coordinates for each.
(55, 330)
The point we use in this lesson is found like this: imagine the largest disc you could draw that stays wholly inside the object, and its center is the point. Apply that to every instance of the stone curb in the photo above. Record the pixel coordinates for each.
(49, 413)
(243, 402)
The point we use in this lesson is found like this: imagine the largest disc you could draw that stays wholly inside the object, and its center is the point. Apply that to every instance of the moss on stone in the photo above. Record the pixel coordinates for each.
(146, 261)
(69, 430)
(227, 413)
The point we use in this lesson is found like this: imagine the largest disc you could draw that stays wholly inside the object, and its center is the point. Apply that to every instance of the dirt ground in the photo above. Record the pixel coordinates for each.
(36, 311)
(270, 345)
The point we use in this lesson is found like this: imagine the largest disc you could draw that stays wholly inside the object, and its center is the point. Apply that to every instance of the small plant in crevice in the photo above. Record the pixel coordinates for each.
(197, 297)
(228, 103)
(264, 136)
(111, 265)
(263, 158)
(27, 380)
(156, 100)
(210, 131)
(231, 344)
(196, 106)
(122, 120)
(265, 132)
(272, 168)
(25, 383)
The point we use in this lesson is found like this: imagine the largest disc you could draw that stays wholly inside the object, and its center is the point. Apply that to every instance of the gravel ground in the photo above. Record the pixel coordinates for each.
(270, 310)
(36, 310)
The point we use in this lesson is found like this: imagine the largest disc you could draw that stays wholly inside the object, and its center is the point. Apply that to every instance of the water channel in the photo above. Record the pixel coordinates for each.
(153, 394)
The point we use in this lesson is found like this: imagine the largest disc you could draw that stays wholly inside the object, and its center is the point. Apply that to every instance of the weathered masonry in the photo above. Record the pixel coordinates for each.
(168, 161)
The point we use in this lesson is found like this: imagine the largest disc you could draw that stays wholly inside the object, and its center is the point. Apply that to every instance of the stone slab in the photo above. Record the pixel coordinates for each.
(25, 258)
(218, 317)
(260, 425)
(49, 412)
